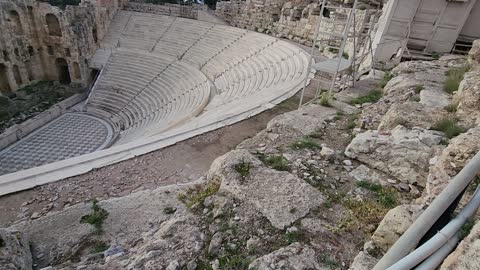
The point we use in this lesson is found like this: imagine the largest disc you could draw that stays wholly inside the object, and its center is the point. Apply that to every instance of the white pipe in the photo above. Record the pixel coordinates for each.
(422, 224)
(437, 258)
(441, 238)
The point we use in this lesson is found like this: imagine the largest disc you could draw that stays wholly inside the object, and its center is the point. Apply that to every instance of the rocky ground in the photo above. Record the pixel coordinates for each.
(324, 187)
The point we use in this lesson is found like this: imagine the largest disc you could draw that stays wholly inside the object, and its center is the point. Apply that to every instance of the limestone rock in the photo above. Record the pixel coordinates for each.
(411, 114)
(293, 257)
(290, 126)
(403, 154)
(363, 261)
(181, 233)
(450, 161)
(280, 196)
(474, 53)
(14, 250)
(465, 256)
(468, 98)
(393, 225)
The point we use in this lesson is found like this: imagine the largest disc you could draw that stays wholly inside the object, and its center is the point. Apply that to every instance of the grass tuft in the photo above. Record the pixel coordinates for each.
(96, 218)
(448, 126)
(100, 246)
(454, 77)
(325, 99)
(372, 96)
(452, 107)
(197, 195)
(386, 78)
(305, 143)
(169, 210)
(278, 163)
(385, 196)
(466, 228)
(243, 168)
(419, 88)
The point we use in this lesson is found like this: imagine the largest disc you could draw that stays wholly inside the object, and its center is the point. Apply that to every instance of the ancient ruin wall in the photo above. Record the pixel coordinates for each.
(44, 42)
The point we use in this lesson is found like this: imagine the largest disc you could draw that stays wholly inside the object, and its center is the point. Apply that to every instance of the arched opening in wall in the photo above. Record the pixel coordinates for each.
(16, 75)
(76, 71)
(4, 84)
(62, 71)
(17, 23)
(53, 25)
(94, 34)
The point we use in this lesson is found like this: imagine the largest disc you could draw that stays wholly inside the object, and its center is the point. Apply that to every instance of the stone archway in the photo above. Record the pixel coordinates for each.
(4, 84)
(62, 71)
(17, 23)
(16, 75)
(53, 25)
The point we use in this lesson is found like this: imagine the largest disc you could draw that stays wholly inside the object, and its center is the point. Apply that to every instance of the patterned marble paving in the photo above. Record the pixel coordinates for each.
(70, 135)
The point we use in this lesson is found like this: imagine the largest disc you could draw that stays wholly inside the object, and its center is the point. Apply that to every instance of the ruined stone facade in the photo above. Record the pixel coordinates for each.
(294, 20)
(44, 42)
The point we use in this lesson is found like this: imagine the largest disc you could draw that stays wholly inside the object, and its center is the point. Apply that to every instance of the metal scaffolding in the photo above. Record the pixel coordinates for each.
(338, 25)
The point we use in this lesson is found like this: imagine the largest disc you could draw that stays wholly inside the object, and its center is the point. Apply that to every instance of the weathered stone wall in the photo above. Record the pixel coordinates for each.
(44, 42)
(294, 19)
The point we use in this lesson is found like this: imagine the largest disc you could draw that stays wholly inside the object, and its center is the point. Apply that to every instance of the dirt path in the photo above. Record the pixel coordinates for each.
(183, 162)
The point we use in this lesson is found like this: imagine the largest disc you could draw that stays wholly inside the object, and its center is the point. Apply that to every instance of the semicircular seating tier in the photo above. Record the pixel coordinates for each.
(161, 73)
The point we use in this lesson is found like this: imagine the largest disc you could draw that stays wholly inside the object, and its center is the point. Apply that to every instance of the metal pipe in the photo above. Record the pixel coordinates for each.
(441, 238)
(422, 224)
(437, 258)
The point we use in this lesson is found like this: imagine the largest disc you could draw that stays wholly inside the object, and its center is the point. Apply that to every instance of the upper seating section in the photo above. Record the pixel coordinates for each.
(162, 71)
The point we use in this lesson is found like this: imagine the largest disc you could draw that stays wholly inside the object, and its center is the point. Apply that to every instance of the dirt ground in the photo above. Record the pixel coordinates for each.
(183, 162)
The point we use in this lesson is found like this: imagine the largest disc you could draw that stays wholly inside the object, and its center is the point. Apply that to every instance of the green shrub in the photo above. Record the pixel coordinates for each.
(385, 196)
(305, 143)
(325, 99)
(243, 168)
(100, 246)
(448, 126)
(278, 163)
(452, 107)
(419, 88)
(372, 96)
(454, 77)
(96, 218)
(197, 195)
(386, 78)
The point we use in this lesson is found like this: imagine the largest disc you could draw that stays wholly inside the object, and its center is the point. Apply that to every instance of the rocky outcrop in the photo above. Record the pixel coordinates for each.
(14, 250)
(450, 161)
(294, 257)
(465, 256)
(403, 154)
(287, 127)
(413, 82)
(393, 225)
(468, 98)
(280, 196)
(411, 114)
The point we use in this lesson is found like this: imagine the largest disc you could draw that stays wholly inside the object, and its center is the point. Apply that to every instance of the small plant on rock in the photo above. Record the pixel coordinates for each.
(448, 126)
(325, 98)
(385, 196)
(100, 246)
(466, 228)
(278, 163)
(197, 195)
(452, 107)
(305, 143)
(169, 210)
(419, 88)
(386, 78)
(243, 168)
(96, 218)
(372, 97)
(454, 77)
